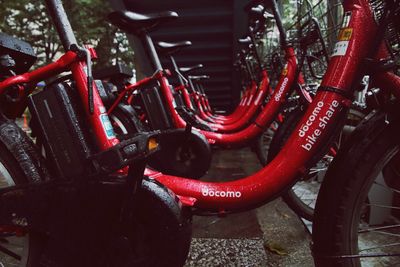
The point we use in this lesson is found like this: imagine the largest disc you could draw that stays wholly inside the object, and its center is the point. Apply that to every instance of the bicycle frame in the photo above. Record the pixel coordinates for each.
(311, 135)
(73, 60)
(264, 118)
(69, 61)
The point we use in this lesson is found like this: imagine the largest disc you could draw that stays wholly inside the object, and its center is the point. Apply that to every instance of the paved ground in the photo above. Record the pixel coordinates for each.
(271, 235)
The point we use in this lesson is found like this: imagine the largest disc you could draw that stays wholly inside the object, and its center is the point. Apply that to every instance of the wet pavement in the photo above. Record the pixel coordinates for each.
(271, 235)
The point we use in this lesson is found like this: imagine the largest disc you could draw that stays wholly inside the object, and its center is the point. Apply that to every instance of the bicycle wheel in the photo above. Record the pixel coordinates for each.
(263, 142)
(356, 220)
(20, 250)
(158, 233)
(182, 154)
(301, 196)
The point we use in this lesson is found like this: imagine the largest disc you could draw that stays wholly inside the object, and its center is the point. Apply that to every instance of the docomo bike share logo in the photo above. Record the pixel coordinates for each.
(213, 193)
(311, 138)
(281, 89)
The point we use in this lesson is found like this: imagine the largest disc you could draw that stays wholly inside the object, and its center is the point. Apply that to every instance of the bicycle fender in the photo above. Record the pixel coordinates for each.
(164, 200)
(130, 113)
(23, 150)
(376, 119)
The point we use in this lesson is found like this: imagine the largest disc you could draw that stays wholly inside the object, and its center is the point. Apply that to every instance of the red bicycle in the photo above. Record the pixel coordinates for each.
(82, 208)
(312, 136)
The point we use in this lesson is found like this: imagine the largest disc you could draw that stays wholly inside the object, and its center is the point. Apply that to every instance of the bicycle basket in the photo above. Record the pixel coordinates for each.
(392, 34)
(314, 33)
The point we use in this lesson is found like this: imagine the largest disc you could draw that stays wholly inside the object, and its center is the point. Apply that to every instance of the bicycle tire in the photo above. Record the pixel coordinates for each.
(279, 139)
(167, 228)
(176, 157)
(291, 198)
(262, 144)
(15, 158)
(344, 190)
(168, 240)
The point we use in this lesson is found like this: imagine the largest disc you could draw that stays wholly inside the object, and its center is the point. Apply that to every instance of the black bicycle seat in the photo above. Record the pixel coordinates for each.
(135, 23)
(117, 71)
(199, 77)
(171, 48)
(257, 11)
(189, 117)
(191, 68)
(244, 40)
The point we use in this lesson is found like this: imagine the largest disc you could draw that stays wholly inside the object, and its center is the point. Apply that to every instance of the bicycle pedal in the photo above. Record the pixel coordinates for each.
(138, 147)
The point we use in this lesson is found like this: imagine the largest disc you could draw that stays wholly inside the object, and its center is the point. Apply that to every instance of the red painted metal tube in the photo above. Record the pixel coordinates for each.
(315, 128)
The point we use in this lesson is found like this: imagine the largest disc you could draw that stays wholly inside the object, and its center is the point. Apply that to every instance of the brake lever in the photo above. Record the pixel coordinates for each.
(89, 81)
(85, 52)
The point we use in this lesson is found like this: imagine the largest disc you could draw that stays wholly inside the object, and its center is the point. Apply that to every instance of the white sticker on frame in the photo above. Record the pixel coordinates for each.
(340, 48)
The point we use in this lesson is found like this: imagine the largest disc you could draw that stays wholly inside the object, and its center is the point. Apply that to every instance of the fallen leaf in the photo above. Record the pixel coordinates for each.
(276, 248)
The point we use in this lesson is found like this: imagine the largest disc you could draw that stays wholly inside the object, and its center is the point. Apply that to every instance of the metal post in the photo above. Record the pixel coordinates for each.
(148, 43)
(60, 20)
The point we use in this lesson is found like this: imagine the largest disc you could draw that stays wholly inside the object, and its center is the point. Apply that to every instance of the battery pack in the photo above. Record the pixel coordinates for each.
(156, 113)
(59, 123)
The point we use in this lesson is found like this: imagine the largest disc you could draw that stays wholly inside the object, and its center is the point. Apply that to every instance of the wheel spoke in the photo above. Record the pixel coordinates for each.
(365, 230)
(10, 253)
(387, 187)
(370, 255)
(383, 206)
(386, 233)
(381, 246)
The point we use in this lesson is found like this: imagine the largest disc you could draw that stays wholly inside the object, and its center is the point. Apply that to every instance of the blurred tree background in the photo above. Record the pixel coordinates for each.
(29, 21)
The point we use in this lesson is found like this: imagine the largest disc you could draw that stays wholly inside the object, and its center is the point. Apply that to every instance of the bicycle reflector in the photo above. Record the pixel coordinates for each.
(153, 144)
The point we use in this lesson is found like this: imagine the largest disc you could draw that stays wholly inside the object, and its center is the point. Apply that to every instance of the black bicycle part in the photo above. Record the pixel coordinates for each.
(106, 92)
(58, 121)
(345, 188)
(116, 74)
(184, 152)
(19, 51)
(156, 113)
(165, 228)
(61, 22)
(190, 118)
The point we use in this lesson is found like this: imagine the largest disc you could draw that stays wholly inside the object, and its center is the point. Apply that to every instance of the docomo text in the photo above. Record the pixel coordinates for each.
(311, 138)
(281, 89)
(213, 193)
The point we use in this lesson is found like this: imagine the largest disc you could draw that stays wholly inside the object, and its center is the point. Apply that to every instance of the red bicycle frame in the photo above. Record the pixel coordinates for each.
(241, 109)
(69, 61)
(327, 110)
(263, 120)
(252, 107)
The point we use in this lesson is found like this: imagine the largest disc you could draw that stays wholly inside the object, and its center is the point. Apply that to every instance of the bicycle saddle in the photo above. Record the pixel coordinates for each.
(257, 11)
(171, 48)
(199, 77)
(191, 68)
(245, 40)
(189, 117)
(117, 71)
(135, 23)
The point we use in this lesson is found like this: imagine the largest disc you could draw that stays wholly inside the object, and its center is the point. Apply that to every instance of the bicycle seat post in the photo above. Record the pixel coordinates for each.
(60, 20)
(278, 20)
(151, 50)
(253, 47)
(176, 69)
